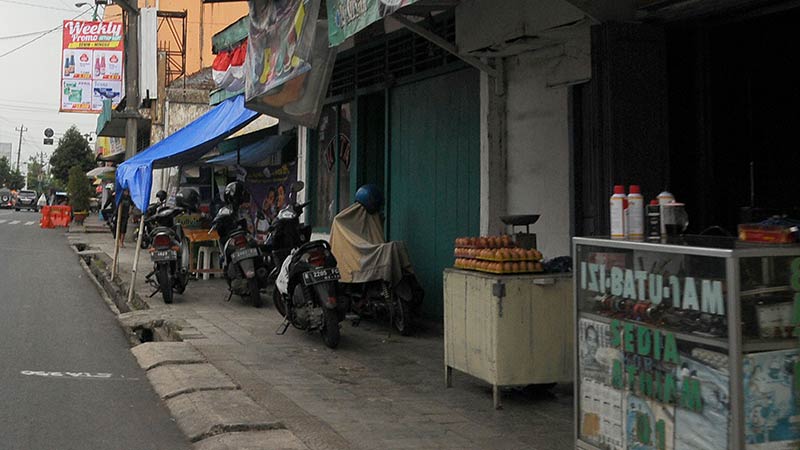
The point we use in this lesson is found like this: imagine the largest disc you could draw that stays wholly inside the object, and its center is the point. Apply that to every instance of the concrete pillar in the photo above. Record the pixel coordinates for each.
(493, 152)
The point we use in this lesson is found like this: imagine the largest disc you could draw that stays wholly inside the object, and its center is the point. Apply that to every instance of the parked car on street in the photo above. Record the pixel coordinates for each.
(26, 199)
(6, 199)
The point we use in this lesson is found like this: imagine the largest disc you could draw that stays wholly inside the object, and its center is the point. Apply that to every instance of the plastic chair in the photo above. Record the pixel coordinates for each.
(206, 257)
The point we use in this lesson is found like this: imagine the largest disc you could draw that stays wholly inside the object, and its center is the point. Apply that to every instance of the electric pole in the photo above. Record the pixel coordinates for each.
(131, 75)
(21, 130)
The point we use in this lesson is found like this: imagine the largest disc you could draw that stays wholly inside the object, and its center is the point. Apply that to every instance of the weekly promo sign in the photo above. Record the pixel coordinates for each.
(91, 65)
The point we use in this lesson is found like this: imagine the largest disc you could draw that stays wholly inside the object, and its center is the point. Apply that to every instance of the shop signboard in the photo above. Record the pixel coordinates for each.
(348, 17)
(288, 63)
(91, 65)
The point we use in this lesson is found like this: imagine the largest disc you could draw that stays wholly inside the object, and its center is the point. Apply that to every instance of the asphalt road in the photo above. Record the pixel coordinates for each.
(69, 380)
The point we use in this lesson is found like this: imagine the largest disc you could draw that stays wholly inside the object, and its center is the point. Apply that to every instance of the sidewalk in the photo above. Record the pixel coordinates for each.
(376, 391)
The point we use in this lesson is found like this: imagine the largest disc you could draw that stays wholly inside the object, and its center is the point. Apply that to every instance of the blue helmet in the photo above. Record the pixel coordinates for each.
(370, 197)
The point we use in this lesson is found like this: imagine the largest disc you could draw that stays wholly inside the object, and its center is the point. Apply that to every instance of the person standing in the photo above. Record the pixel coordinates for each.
(125, 209)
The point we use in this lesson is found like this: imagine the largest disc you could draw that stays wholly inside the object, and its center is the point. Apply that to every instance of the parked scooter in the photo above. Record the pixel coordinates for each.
(377, 276)
(243, 264)
(169, 250)
(306, 281)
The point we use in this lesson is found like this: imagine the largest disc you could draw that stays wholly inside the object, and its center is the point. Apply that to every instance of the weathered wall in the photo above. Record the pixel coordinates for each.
(538, 148)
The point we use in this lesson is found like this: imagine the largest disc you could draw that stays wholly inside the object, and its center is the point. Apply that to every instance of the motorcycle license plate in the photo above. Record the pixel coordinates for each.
(321, 276)
(164, 255)
(244, 254)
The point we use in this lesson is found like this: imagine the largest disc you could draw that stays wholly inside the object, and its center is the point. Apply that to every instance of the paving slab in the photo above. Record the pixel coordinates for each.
(175, 379)
(254, 440)
(204, 414)
(154, 354)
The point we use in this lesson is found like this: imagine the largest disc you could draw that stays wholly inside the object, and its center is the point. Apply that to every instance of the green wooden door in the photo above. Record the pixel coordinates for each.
(434, 172)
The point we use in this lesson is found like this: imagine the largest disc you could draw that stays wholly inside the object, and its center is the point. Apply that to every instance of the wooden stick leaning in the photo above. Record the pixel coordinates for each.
(116, 244)
(136, 259)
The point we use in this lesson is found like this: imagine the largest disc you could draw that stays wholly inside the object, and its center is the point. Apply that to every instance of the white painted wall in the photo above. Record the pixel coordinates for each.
(538, 144)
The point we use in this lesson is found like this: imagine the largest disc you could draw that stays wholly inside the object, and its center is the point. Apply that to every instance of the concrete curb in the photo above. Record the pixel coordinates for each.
(211, 410)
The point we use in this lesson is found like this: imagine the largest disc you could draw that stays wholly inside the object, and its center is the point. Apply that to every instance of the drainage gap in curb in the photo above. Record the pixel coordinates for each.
(157, 331)
(145, 335)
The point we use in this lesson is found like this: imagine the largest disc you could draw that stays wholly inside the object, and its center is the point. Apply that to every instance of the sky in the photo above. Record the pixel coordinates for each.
(30, 75)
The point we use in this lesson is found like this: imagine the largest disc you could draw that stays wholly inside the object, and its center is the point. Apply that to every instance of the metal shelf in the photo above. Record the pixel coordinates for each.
(765, 290)
(688, 337)
(768, 345)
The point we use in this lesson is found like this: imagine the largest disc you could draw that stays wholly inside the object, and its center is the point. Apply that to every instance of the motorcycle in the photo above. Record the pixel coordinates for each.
(151, 210)
(241, 259)
(169, 252)
(306, 276)
(378, 276)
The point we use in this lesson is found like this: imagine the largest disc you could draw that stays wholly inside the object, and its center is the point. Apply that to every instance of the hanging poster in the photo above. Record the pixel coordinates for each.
(601, 415)
(91, 65)
(348, 17)
(595, 351)
(707, 429)
(288, 63)
(270, 190)
(771, 403)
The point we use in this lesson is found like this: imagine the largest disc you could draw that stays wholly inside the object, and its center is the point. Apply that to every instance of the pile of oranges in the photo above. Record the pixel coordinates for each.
(495, 254)
(499, 267)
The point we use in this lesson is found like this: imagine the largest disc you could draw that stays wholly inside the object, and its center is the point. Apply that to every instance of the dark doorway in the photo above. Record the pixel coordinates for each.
(733, 106)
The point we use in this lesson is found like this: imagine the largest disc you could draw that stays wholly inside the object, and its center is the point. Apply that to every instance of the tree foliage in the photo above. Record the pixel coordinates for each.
(79, 188)
(9, 178)
(73, 151)
(37, 175)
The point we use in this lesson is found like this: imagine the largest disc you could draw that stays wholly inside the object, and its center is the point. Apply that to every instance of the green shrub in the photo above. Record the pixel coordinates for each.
(79, 188)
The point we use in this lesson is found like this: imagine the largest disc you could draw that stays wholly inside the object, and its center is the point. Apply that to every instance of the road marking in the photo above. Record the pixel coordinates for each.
(3, 220)
(74, 375)
(29, 223)
(13, 222)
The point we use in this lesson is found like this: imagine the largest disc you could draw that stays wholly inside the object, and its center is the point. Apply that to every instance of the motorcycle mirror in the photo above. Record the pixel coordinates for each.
(298, 186)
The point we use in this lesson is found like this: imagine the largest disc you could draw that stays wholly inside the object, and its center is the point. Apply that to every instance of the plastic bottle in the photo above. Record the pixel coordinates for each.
(617, 205)
(635, 213)
(653, 221)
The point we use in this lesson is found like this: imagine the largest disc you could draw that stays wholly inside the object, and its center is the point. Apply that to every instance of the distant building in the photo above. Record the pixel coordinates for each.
(6, 150)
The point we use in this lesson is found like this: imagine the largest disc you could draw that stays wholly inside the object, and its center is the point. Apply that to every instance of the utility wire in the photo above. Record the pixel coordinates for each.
(34, 5)
(41, 35)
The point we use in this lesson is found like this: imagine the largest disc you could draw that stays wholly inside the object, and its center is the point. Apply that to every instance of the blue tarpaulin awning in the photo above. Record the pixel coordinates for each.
(254, 153)
(184, 146)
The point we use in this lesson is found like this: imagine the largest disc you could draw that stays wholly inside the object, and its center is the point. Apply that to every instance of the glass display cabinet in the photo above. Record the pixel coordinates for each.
(686, 344)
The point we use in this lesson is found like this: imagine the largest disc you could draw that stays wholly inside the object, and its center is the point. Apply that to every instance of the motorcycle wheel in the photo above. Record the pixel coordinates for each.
(255, 292)
(145, 241)
(402, 317)
(165, 283)
(330, 328)
(277, 300)
(182, 279)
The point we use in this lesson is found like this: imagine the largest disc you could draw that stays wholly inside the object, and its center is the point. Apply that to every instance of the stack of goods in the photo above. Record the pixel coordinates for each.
(495, 254)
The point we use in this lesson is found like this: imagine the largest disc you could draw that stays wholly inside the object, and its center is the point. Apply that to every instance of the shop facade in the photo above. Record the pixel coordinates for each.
(452, 147)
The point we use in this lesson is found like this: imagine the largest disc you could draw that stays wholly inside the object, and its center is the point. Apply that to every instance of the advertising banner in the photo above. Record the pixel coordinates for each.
(348, 17)
(288, 62)
(270, 191)
(91, 65)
